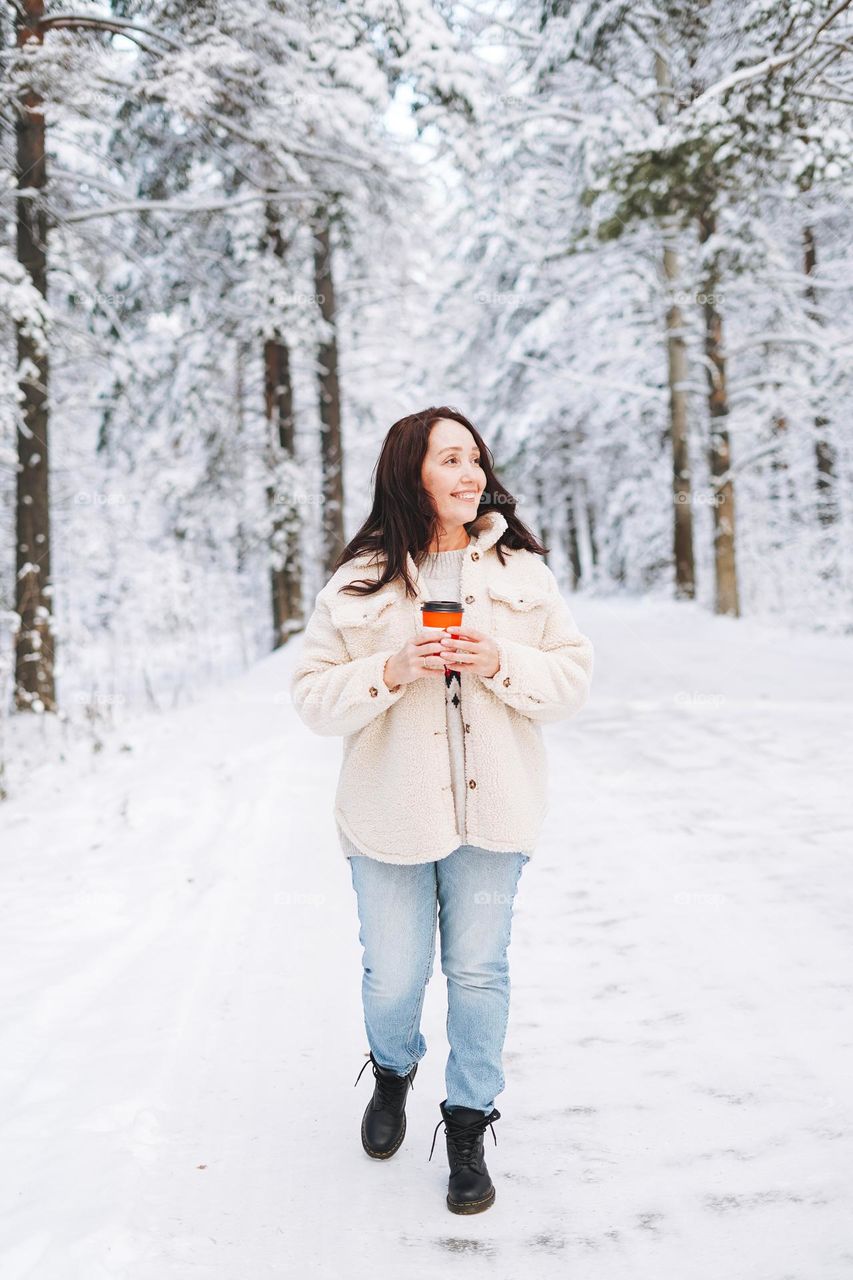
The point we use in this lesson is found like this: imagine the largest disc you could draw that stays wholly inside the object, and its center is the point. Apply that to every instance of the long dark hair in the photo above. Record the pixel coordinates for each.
(404, 519)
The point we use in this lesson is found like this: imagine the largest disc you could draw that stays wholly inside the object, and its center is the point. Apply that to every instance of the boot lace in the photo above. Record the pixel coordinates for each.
(389, 1087)
(464, 1136)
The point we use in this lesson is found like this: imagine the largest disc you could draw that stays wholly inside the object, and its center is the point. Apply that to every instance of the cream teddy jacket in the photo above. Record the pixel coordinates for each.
(394, 797)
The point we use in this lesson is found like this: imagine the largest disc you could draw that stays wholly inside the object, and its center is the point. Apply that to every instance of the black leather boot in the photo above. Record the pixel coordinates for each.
(383, 1126)
(470, 1189)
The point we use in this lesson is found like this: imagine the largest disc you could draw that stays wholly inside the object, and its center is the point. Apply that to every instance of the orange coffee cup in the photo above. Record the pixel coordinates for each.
(441, 614)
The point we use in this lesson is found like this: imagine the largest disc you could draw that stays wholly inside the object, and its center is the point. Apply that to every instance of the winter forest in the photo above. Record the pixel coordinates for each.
(240, 240)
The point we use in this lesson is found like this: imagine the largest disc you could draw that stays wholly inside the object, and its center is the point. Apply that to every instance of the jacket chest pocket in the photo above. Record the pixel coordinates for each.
(368, 623)
(518, 613)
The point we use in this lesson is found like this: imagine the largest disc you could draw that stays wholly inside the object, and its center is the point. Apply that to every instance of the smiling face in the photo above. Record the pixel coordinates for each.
(452, 475)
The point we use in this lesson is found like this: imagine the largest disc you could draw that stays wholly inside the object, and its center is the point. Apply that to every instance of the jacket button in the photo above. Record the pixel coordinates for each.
(472, 783)
(467, 728)
(374, 693)
(506, 681)
(469, 599)
(475, 555)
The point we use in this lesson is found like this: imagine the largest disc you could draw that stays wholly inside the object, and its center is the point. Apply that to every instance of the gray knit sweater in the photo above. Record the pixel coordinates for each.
(440, 573)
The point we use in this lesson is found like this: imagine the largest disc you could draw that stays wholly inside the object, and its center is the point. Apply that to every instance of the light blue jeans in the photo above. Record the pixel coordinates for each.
(470, 893)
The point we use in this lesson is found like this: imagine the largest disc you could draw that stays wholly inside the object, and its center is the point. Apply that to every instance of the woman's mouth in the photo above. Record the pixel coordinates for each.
(469, 495)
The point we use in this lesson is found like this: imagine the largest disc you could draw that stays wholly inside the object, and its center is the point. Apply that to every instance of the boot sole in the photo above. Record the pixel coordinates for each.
(471, 1206)
(384, 1155)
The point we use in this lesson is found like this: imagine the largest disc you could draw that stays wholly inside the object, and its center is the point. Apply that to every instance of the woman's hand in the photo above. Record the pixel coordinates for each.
(408, 663)
(470, 651)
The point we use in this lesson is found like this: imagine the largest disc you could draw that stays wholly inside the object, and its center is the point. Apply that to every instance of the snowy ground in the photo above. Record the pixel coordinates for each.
(181, 1017)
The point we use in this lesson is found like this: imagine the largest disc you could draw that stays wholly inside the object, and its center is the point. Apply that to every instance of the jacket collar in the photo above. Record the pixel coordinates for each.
(483, 532)
(487, 529)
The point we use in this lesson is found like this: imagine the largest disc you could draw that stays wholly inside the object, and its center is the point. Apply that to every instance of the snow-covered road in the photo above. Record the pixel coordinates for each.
(181, 1016)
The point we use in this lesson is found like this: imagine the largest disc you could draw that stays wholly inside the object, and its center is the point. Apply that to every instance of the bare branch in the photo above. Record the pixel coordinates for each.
(824, 97)
(177, 206)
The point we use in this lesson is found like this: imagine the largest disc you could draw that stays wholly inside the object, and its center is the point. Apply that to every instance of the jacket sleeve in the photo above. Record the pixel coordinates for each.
(552, 681)
(333, 693)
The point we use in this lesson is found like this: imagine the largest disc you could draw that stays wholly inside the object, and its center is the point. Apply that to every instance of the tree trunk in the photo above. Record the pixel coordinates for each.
(726, 594)
(35, 644)
(827, 510)
(572, 535)
(581, 528)
(542, 512)
(590, 529)
(329, 395)
(578, 544)
(676, 347)
(240, 430)
(282, 496)
(685, 573)
(780, 487)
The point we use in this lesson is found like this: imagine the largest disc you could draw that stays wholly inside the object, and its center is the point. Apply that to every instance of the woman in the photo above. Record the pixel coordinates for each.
(442, 789)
